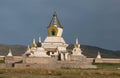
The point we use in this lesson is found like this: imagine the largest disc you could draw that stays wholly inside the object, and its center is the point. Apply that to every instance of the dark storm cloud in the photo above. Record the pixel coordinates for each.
(96, 22)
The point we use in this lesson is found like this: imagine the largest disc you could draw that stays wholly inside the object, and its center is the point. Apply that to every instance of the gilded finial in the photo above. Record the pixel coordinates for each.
(33, 43)
(28, 48)
(54, 14)
(76, 40)
(76, 43)
(40, 40)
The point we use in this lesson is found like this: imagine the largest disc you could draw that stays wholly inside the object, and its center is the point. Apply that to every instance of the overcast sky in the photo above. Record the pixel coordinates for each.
(96, 22)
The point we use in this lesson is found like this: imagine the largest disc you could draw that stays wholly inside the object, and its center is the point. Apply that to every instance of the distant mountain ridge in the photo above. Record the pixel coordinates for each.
(92, 51)
(89, 51)
(16, 49)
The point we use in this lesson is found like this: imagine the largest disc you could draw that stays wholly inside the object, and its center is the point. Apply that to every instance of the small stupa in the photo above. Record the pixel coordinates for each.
(76, 50)
(9, 53)
(99, 55)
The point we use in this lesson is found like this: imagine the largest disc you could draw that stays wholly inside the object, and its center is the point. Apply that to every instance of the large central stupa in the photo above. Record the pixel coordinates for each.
(54, 42)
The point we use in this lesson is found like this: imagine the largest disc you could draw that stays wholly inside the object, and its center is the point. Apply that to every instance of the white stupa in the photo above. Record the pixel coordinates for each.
(54, 38)
(54, 45)
(76, 50)
(9, 53)
(99, 55)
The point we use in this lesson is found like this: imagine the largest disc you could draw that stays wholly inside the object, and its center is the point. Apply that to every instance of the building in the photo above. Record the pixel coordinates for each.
(54, 45)
(52, 52)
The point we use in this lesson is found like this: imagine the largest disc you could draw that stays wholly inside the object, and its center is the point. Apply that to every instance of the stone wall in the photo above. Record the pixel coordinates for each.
(98, 60)
(18, 59)
(2, 65)
(52, 62)
(59, 64)
(2, 58)
(90, 60)
(106, 60)
(75, 64)
(44, 66)
(102, 60)
(39, 60)
(78, 58)
(9, 59)
(13, 59)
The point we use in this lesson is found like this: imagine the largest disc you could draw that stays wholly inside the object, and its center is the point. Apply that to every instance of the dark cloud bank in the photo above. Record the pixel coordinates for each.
(96, 22)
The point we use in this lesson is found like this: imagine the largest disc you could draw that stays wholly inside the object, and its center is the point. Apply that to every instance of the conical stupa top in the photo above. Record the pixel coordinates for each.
(33, 40)
(76, 40)
(99, 55)
(54, 18)
(55, 21)
(40, 39)
(33, 43)
(28, 48)
(10, 53)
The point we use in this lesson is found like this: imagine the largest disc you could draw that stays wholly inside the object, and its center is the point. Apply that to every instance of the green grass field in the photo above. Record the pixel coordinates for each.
(103, 71)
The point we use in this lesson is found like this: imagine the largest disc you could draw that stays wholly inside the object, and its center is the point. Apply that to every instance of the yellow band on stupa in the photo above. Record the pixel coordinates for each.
(52, 29)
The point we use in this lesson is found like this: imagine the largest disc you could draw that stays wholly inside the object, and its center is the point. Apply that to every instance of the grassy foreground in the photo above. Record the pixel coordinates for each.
(103, 70)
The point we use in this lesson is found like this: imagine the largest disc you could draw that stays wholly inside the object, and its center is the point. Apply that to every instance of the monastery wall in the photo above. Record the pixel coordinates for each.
(18, 58)
(78, 58)
(74, 64)
(3, 65)
(90, 60)
(103, 60)
(41, 60)
(13, 59)
(107, 60)
(58, 64)
(42, 65)
(2, 57)
(9, 59)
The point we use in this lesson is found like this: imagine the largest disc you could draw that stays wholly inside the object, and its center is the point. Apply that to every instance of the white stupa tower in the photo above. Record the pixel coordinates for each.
(9, 53)
(76, 49)
(99, 55)
(54, 40)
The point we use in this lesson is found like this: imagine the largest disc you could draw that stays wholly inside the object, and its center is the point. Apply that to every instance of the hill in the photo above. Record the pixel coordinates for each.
(89, 51)
(16, 49)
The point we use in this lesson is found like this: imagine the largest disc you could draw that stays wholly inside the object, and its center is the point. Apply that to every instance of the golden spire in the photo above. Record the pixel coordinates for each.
(33, 43)
(40, 39)
(33, 40)
(28, 48)
(55, 21)
(76, 40)
(76, 44)
(39, 44)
